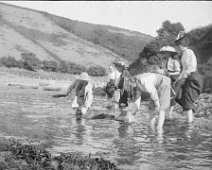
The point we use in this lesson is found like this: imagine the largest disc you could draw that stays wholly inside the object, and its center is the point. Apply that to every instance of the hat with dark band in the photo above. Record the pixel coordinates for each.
(181, 35)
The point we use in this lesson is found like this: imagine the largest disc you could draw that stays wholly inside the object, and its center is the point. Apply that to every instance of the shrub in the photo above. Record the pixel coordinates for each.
(9, 62)
(30, 61)
(63, 67)
(77, 69)
(50, 65)
(97, 71)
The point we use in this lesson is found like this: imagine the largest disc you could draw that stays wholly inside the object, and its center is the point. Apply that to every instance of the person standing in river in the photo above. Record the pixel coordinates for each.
(189, 78)
(111, 89)
(125, 93)
(82, 93)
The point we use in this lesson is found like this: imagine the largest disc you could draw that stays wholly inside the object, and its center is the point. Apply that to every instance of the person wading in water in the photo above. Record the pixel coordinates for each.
(189, 79)
(81, 93)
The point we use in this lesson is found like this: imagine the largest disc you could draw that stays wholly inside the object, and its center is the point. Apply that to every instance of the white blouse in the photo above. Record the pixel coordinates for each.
(173, 65)
(115, 75)
(189, 63)
(150, 83)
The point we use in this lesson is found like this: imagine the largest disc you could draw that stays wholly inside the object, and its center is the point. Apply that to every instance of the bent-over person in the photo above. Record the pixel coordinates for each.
(81, 93)
(159, 87)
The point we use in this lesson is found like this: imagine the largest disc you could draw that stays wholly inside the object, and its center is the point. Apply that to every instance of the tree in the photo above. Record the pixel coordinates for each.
(50, 65)
(30, 61)
(166, 36)
(9, 62)
(63, 67)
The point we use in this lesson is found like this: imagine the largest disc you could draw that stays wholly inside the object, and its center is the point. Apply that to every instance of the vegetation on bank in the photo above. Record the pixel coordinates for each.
(15, 155)
(30, 62)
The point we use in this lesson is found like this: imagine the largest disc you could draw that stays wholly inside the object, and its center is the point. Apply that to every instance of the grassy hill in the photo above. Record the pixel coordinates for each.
(127, 44)
(28, 31)
(54, 38)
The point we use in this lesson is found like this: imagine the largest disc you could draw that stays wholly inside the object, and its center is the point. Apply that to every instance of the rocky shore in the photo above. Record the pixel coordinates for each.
(16, 155)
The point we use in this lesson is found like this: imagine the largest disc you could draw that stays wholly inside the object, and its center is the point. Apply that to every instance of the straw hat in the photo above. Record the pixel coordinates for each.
(168, 49)
(83, 76)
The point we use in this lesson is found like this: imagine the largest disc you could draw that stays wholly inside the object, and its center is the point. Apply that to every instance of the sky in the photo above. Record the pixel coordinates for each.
(143, 16)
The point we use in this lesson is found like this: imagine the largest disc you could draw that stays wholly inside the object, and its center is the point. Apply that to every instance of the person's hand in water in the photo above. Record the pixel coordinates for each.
(84, 110)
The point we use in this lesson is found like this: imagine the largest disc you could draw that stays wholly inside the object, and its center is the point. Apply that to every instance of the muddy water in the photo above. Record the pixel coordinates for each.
(35, 115)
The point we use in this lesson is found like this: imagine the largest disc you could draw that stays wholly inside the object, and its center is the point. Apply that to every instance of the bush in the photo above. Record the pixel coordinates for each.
(9, 62)
(50, 65)
(30, 61)
(63, 67)
(97, 71)
(77, 69)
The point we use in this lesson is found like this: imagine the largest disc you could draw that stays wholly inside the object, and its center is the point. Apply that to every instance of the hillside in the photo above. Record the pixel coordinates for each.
(127, 44)
(28, 31)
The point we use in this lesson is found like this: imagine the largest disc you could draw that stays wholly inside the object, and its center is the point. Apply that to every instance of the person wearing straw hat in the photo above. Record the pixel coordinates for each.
(192, 81)
(171, 68)
(81, 93)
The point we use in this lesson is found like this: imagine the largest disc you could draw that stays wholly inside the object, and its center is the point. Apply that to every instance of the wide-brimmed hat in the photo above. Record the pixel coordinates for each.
(83, 76)
(181, 35)
(167, 49)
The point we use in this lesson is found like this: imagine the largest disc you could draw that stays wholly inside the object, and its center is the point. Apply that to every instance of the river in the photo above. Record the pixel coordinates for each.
(34, 115)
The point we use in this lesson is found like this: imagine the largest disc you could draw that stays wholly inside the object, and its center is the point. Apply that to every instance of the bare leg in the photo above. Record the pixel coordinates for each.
(152, 119)
(170, 112)
(131, 111)
(189, 114)
(116, 99)
(161, 119)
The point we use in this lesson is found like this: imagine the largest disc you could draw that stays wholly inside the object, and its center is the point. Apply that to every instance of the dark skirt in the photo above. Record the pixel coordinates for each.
(190, 91)
(110, 88)
(124, 98)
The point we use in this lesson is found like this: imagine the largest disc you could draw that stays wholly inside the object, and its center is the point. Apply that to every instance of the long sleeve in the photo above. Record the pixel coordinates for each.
(71, 87)
(189, 63)
(69, 90)
(89, 96)
(147, 84)
(150, 88)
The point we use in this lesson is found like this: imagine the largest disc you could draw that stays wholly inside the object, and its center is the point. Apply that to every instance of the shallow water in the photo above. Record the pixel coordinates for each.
(35, 115)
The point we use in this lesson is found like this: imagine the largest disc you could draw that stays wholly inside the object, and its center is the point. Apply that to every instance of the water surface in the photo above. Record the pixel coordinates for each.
(32, 114)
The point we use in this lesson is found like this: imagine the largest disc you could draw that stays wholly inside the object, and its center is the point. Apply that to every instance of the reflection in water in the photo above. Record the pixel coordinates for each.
(122, 129)
(160, 135)
(80, 130)
(131, 146)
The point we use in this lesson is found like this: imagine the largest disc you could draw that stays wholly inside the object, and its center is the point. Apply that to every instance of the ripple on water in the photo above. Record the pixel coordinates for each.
(52, 121)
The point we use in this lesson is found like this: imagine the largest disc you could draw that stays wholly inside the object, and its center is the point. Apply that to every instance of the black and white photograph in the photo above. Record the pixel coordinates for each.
(105, 85)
